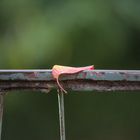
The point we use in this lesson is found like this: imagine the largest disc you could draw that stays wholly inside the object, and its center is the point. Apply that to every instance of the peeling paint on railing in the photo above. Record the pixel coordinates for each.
(99, 80)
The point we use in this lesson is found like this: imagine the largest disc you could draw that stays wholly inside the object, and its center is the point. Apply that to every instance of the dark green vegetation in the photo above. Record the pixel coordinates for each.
(39, 34)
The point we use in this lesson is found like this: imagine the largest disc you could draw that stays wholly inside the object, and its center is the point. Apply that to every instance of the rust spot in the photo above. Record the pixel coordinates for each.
(84, 75)
(136, 76)
(103, 73)
(122, 73)
(97, 74)
(31, 75)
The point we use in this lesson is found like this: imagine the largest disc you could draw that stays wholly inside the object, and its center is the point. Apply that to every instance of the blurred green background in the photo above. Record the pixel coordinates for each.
(36, 34)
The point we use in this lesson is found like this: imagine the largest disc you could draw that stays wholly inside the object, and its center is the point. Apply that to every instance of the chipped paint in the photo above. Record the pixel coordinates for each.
(100, 80)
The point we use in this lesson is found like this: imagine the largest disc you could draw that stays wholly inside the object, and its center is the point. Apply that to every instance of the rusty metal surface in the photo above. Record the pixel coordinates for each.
(99, 80)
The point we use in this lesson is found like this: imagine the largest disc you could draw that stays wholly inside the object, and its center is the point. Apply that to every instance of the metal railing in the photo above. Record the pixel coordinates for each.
(42, 80)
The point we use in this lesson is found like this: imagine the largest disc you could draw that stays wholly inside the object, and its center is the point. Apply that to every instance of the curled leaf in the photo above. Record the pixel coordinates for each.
(58, 70)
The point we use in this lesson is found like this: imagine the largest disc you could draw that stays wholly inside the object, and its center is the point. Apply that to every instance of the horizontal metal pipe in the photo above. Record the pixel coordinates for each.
(99, 80)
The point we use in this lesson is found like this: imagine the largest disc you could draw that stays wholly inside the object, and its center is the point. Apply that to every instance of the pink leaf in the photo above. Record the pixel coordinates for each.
(58, 70)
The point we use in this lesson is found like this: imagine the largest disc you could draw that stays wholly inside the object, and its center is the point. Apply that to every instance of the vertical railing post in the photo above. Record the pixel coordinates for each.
(1, 112)
(61, 116)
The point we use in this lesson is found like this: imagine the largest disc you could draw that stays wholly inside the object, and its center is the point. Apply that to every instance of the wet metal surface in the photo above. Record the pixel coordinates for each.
(100, 80)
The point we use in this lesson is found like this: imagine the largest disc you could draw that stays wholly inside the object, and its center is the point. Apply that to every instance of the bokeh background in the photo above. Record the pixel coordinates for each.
(36, 34)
